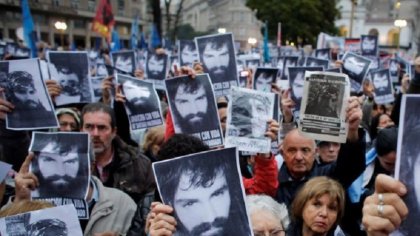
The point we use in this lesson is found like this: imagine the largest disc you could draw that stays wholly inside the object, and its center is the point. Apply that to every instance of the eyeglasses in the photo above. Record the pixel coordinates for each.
(274, 232)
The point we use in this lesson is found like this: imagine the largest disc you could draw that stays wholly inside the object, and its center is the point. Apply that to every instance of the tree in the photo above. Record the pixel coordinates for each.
(187, 32)
(301, 20)
(169, 26)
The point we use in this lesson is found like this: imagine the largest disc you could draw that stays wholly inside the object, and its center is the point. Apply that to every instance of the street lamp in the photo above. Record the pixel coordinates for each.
(221, 30)
(61, 26)
(400, 24)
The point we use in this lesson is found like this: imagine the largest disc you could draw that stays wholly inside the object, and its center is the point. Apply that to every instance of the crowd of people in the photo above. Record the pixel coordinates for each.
(310, 187)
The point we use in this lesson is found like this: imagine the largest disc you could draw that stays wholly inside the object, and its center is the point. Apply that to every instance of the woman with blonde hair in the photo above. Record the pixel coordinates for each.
(153, 139)
(317, 208)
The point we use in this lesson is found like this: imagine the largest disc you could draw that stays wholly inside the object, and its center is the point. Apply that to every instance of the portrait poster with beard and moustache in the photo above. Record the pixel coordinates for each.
(124, 62)
(369, 45)
(206, 191)
(217, 54)
(142, 102)
(71, 71)
(157, 66)
(25, 89)
(357, 68)
(384, 92)
(61, 163)
(193, 108)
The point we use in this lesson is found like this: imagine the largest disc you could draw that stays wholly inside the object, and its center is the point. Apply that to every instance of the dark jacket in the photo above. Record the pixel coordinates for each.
(349, 165)
(295, 229)
(130, 171)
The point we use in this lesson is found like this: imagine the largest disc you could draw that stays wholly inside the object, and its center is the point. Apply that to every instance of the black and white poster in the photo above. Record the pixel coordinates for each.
(193, 108)
(142, 102)
(393, 67)
(206, 192)
(217, 54)
(323, 53)
(71, 71)
(57, 221)
(288, 62)
(248, 114)
(263, 78)
(384, 92)
(407, 167)
(252, 64)
(356, 67)
(96, 92)
(187, 53)
(124, 62)
(101, 68)
(314, 62)
(157, 69)
(25, 89)
(324, 103)
(369, 45)
(62, 166)
(2, 51)
(296, 81)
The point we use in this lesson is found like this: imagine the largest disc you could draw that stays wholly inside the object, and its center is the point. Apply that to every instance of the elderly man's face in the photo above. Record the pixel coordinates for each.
(298, 153)
(216, 59)
(125, 65)
(203, 210)
(137, 95)
(353, 65)
(69, 83)
(58, 170)
(263, 82)
(26, 95)
(188, 56)
(192, 107)
(155, 66)
(380, 81)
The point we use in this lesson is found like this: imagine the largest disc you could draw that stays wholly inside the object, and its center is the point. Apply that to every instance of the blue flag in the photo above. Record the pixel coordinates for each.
(115, 43)
(155, 37)
(135, 32)
(143, 43)
(28, 28)
(266, 50)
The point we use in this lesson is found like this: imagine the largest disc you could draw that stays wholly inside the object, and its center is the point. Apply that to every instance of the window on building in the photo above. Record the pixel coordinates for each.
(91, 5)
(75, 4)
(393, 37)
(79, 24)
(121, 4)
(56, 3)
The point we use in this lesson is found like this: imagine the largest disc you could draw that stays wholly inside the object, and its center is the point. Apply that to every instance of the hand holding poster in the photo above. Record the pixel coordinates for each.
(193, 108)
(142, 102)
(62, 166)
(206, 192)
(71, 71)
(323, 110)
(248, 114)
(217, 54)
(25, 89)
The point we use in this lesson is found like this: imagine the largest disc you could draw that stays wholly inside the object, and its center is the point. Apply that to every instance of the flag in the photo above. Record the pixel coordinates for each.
(266, 50)
(155, 37)
(143, 43)
(29, 34)
(115, 44)
(104, 19)
(135, 32)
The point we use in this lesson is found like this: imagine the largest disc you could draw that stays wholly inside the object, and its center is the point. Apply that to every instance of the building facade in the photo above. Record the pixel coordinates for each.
(78, 16)
(378, 16)
(224, 15)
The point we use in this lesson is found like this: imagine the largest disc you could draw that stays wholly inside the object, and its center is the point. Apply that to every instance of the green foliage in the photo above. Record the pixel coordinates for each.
(301, 20)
